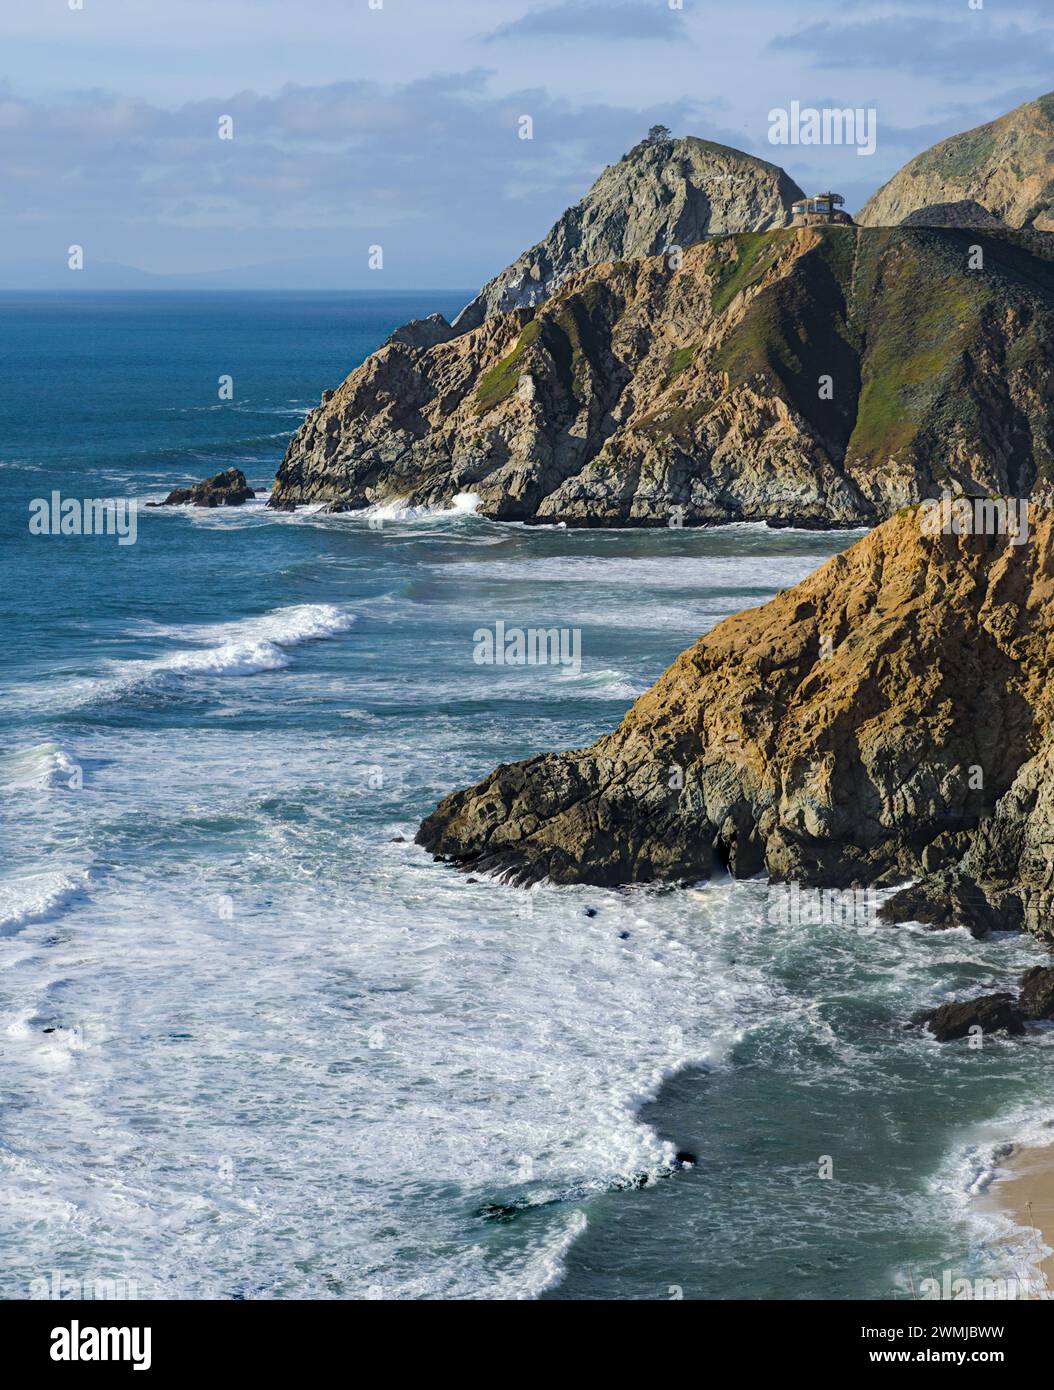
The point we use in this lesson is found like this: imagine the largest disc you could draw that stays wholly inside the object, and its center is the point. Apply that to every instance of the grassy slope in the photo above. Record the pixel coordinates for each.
(893, 315)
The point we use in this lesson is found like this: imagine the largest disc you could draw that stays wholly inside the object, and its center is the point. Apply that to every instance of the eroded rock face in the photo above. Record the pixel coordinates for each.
(818, 376)
(1007, 166)
(228, 489)
(923, 738)
(662, 194)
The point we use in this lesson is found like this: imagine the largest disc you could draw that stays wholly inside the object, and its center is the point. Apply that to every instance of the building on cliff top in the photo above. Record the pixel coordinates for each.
(823, 207)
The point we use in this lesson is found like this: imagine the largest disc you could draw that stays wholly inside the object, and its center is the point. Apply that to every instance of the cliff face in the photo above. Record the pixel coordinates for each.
(923, 743)
(662, 194)
(820, 375)
(1007, 166)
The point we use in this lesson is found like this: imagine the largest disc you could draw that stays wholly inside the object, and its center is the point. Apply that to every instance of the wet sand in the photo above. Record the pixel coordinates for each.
(1027, 1195)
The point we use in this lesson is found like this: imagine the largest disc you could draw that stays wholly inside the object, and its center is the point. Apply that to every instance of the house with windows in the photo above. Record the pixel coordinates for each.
(822, 208)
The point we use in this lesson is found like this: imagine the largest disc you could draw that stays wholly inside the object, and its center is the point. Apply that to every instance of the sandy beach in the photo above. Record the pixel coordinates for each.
(1026, 1194)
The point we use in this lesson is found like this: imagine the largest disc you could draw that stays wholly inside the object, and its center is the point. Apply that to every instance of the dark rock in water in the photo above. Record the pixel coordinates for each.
(499, 1211)
(471, 880)
(623, 936)
(589, 912)
(282, 506)
(397, 840)
(993, 1013)
(1037, 992)
(228, 489)
(683, 1158)
(948, 899)
(47, 1030)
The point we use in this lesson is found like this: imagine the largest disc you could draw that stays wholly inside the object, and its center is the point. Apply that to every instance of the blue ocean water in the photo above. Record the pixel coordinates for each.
(253, 1043)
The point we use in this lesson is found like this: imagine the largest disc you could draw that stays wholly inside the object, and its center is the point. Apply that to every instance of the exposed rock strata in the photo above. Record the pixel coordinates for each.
(815, 376)
(924, 741)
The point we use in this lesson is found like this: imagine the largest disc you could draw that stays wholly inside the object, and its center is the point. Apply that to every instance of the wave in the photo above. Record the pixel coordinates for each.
(45, 765)
(247, 647)
(250, 645)
(607, 684)
(38, 897)
(464, 504)
(708, 573)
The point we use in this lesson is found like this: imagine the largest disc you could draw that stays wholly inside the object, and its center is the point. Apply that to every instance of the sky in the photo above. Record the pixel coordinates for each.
(395, 123)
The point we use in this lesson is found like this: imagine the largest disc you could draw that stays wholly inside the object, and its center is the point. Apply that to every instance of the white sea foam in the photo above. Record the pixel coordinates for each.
(761, 572)
(464, 504)
(32, 898)
(46, 765)
(247, 647)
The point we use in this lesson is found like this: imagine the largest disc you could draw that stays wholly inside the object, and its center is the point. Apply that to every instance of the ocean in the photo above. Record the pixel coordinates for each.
(255, 1044)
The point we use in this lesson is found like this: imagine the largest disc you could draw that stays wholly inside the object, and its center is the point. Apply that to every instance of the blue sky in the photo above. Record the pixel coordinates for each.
(356, 126)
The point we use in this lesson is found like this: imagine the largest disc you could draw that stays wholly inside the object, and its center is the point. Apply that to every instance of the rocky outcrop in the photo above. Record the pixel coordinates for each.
(1007, 166)
(228, 489)
(891, 716)
(991, 1013)
(663, 193)
(952, 899)
(424, 333)
(816, 376)
(964, 214)
(1037, 992)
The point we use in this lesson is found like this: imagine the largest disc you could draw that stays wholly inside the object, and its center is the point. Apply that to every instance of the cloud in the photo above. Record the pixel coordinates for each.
(953, 48)
(597, 19)
(433, 169)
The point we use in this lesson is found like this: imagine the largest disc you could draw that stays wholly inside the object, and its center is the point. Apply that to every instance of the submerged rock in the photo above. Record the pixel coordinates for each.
(900, 698)
(228, 489)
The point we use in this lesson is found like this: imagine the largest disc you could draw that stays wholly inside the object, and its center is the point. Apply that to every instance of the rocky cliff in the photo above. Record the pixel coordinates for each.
(1007, 166)
(891, 715)
(663, 193)
(817, 376)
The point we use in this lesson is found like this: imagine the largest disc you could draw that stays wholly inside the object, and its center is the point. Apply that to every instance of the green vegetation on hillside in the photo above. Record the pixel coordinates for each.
(752, 254)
